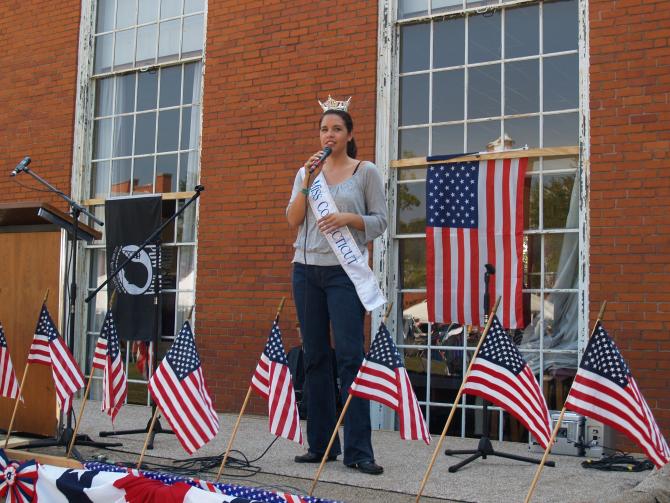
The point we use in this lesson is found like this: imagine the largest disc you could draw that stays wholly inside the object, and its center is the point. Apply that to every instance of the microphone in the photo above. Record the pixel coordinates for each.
(21, 166)
(326, 152)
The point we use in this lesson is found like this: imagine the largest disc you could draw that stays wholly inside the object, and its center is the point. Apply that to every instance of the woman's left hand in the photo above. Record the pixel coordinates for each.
(334, 221)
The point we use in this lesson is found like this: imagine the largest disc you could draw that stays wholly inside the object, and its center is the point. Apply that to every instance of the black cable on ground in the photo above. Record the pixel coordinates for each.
(619, 462)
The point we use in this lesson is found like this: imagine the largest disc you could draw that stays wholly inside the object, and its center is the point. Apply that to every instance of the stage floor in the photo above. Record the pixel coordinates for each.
(491, 480)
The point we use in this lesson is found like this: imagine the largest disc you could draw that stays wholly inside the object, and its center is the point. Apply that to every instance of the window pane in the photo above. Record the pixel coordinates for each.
(525, 131)
(168, 42)
(412, 8)
(102, 139)
(167, 314)
(532, 264)
(123, 136)
(143, 175)
(170, 86)
(185, 303)
(192, 36)
(446, 5)
(125, 94)
(482, 133)
(484, 38)
(414, 99)
(191, 92)
(121, 177)
(103, 53)
(124, 50)
(98, 268)
(411, 208)
(105, 16)
(193, 6)
(168, 130)
(448, 89)
(145, 136)
(166, 173)
(412, 263)
(186, 224)
(413, 142)
(167, 209)
(532, 202)
(562, 163)
(484, 91)
(522, 31)
(558, 199)
(186, 268)
(147, 90)
(414, 47)
(412, 173)
(522, 87)
(146, 44)
(125, 13)
(170, 8)
(188, 171)
(447, 140)
(561, 82)
(103, 97)
(99, 187)
(560, 26)
(449, 42)
(190, 127)
(560, 256)
(561, 130)
(148, 11)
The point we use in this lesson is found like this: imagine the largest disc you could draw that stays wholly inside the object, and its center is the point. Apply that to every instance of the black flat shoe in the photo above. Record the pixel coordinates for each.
(312, 457)
(368, 467)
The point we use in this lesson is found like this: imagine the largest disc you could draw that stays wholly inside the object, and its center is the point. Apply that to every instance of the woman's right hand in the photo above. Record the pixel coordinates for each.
(311, 161)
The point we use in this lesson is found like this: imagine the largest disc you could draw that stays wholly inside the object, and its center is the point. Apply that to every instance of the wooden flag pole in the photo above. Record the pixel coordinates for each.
(234, 434)
(558, 422)
(16, 404)
(458, 397)
(88, 387)
(23, 380)
(244, 406)
(146, 440)
(339, 422)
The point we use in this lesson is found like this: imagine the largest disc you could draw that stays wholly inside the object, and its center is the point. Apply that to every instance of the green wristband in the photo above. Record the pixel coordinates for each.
(305, 191)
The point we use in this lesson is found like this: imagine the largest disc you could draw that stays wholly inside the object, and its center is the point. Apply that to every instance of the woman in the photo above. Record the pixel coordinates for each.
(324, 294)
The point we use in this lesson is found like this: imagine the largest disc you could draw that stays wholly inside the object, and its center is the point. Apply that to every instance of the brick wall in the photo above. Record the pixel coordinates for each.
(267, 63)
(630, 187)
(37, 92)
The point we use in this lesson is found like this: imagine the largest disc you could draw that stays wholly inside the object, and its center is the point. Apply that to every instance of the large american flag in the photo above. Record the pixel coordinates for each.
(500, 375)
(383, 378)
(474, 216)
(107, 357)
(178, 387)
(604, 389)
(49, 348)
(272, 380)
(9, 386)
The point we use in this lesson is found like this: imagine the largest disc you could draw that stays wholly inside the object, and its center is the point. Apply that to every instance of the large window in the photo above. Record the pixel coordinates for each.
(467, 77)
(144, 137)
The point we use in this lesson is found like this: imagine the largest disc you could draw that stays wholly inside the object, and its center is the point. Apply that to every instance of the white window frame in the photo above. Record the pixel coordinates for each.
(386, 250)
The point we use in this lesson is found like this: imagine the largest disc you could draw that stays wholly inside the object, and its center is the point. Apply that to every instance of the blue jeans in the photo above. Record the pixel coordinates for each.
(324, 297)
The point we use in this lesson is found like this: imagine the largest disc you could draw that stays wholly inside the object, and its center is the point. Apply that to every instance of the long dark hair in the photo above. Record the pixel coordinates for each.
(352, 150)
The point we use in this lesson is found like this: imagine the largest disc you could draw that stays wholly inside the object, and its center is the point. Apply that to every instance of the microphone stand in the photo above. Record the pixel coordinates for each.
(65, 434)
(151, 239)
(485, 448)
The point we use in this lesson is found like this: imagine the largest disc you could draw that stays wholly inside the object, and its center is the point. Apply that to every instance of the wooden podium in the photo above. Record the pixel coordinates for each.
(31, 240)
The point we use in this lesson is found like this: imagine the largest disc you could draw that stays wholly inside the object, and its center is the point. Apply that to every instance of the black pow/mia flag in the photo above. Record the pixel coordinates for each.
(129, 221)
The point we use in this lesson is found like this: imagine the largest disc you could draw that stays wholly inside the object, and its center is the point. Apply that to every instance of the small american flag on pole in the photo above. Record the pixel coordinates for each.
(178, 387)
(107, 357)
(383, 378)
(604, 389)
(272, 380)
(9, 386)
(49, 348)
(500, 375)
(474, 216)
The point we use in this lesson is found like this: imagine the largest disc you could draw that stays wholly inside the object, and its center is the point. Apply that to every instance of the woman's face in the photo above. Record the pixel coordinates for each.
(334, 133)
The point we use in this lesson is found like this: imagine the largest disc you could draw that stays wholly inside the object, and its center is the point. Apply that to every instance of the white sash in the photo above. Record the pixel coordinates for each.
(345, 248)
